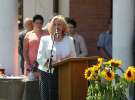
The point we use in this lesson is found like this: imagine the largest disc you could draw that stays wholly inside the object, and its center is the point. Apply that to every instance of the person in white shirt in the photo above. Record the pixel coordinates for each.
(80, 45)
(62, 48)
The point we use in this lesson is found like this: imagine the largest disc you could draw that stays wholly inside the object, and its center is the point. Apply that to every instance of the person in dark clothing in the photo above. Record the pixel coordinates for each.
(28, 25)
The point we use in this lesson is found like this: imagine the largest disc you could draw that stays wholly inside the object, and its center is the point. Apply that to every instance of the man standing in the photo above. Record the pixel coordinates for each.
(28, 26)
(104, 43)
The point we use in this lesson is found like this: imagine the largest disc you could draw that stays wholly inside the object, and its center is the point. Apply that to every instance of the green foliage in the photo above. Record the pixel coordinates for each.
(98, 90)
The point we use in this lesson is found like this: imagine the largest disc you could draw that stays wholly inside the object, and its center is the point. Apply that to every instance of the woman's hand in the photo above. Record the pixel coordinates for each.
(26, 68)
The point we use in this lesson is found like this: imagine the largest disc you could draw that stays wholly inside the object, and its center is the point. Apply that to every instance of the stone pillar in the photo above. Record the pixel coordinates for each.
(123, 30)
(9, 36)
(64, 7)
(43, 7)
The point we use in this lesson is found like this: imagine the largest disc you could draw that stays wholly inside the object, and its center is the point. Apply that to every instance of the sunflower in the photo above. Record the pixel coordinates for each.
(89, 73)
(130, 74)
(95, 72)
(100, 61)
(134, 74)
(109, 75)
(115, 63)
(96, 67)
(102, 73)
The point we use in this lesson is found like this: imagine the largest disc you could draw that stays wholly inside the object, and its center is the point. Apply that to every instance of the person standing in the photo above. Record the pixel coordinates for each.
(62, 48)
(31, 44)
(28, 26)
(104, 43)
(80, 46)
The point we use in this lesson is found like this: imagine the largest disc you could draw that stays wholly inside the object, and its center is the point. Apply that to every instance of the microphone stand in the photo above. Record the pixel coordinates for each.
(51, 55)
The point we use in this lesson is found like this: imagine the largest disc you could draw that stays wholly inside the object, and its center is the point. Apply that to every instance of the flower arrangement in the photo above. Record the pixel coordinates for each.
(105, 84)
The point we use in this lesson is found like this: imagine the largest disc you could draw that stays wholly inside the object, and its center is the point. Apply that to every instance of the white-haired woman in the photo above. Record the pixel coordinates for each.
(63, 48)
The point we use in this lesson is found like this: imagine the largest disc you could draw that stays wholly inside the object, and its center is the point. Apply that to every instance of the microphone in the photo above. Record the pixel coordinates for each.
(56, 32)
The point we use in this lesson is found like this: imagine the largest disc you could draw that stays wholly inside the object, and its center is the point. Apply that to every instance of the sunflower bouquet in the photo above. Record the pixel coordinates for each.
(105, 84)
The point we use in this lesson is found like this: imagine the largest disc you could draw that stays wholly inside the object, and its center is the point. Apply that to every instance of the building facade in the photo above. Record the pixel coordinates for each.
(91, 15)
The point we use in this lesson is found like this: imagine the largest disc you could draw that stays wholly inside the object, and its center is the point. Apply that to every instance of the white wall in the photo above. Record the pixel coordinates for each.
(9, 36)
(43, 7)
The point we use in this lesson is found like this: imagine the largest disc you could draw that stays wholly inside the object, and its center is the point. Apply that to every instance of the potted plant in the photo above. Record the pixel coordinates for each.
(105, 84)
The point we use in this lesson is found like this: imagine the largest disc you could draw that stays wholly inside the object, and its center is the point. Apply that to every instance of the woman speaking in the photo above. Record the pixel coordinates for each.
(61, 47)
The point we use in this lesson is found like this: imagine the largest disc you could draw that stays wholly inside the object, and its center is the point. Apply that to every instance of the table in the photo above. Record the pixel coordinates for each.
(16, 89)
(31, 90)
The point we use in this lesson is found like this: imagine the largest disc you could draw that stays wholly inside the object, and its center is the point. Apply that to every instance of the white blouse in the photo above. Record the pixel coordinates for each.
(61, 50)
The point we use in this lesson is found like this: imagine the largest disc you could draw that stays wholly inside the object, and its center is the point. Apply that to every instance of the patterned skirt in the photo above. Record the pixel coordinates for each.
(49, 85)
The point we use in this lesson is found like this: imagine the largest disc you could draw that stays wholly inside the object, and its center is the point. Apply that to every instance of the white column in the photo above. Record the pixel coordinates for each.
(64, 7)
(8, 36)
(123, 30)
(43, 7)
